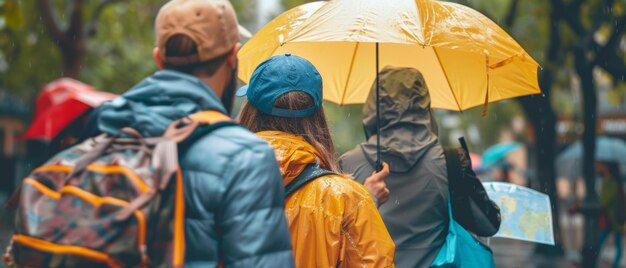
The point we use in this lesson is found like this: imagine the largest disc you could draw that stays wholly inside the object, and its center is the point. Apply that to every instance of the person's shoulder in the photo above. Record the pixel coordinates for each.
(335, 195)
(233, 139)
(349, 160)
(227, 146)
(340, 186)
(355, 153)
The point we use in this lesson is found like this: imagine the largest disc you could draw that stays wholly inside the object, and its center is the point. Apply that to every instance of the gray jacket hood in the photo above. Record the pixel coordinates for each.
(408, 128)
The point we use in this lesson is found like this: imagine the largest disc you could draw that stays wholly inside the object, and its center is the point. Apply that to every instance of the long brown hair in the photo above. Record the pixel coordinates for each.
(314, 129)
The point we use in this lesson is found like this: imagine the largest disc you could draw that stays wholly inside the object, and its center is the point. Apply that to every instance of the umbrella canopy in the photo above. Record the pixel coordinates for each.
(466, 58)
(59, 104)
(495, 153)
(569, 162)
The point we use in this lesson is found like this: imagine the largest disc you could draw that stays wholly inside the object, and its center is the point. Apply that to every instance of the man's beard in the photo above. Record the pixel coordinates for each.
(228, 97)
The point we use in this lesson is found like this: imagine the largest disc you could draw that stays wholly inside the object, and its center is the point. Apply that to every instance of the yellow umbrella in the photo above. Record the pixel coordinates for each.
(466, 59)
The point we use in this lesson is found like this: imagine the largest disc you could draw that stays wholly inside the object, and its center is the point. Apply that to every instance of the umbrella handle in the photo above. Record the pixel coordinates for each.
(379, 162)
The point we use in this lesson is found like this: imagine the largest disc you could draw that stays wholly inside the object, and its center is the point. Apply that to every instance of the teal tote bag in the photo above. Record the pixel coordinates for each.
(462, 250)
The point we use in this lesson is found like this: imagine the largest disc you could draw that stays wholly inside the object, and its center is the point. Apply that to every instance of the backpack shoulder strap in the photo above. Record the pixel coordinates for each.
(310, 173)
(453, 161)
(453, 164)
(210, 117)
(209, 121)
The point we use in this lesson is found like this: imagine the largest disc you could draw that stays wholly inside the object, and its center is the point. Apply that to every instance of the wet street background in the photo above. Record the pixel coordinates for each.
(508, 253)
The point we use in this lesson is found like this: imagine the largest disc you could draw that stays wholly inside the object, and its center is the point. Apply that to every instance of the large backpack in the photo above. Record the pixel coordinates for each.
(471, 206)
(111, 201)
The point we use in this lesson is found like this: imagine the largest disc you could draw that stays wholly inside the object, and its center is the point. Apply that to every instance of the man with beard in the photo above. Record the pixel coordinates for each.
(233, 192)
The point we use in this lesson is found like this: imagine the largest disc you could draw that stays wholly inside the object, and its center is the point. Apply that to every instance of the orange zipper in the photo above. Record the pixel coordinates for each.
(43, 189)
(46, 246)
(141, 185)
(123, 170)
(95, 201)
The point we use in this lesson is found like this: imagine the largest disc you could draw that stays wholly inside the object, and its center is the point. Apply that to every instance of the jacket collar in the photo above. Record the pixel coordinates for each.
(293, 153)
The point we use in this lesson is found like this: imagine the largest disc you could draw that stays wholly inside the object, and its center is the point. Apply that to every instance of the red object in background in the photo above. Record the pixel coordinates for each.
(60, 103)
(476, 161)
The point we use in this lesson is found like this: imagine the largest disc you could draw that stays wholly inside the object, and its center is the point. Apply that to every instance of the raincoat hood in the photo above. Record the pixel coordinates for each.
(152, 105)
(293, 153)
(408, 128)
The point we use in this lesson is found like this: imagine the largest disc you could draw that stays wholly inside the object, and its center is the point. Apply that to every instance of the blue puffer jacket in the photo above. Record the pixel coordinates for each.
(234, 196)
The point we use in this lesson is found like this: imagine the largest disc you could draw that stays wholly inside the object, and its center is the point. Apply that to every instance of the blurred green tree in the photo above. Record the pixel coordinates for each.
(567, 37)
(109, 45)
(110, 50)
(10, 14)
(598, 28)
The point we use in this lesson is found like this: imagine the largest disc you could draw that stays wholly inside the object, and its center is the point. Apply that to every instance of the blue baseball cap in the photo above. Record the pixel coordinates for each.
(279, 75)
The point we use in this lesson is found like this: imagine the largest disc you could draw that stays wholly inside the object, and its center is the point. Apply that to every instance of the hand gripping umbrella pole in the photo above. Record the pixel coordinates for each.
(379, 161)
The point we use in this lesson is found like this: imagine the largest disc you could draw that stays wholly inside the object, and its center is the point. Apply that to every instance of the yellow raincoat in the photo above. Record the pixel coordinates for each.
(332, 220)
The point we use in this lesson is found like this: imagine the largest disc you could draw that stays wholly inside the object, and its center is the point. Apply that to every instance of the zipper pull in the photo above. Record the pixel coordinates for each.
(7, 258)
(143, 250)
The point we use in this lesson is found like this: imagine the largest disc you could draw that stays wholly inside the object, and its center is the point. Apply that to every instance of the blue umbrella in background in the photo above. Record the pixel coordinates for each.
(494, 154)
(569, 162)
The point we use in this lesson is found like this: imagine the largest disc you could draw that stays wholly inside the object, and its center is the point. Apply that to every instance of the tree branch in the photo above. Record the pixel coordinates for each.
(554, 60)
(75, 27)
(554, 46)
(92, 27)
(571, 14)
(614, 40)
(509, 19)
(608, 57)
(45, 9)
(614, 66)
(598, 20)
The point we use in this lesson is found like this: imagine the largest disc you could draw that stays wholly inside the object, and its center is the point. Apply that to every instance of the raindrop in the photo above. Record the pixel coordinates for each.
(397, 203)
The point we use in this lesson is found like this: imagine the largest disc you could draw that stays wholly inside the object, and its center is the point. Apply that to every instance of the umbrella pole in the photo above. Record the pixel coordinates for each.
(379, 161)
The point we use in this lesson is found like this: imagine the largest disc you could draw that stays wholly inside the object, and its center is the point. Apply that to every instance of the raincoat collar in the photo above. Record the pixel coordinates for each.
(408, 128)
(153, 104)
(293, 153)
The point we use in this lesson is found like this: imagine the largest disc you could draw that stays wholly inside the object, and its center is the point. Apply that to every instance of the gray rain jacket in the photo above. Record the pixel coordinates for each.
(416, 214)
(234, 212)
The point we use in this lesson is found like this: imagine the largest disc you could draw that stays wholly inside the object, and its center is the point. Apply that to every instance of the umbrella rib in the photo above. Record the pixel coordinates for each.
(345, 89)
(456, 100)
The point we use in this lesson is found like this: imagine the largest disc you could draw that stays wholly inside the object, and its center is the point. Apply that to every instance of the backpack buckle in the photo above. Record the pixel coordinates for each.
(179, 133)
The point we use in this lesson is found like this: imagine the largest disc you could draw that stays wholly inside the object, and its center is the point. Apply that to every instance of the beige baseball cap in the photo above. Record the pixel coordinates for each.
(212, 24)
